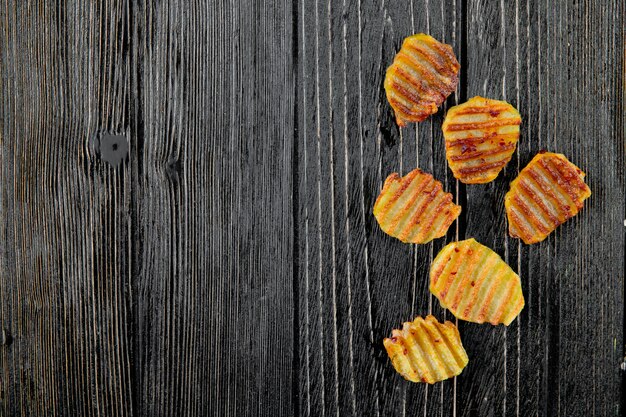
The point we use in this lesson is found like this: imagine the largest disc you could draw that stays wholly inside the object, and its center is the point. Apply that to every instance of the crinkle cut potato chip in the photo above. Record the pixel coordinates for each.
(423, 74)
(475, 284)
(481, 135)
(547, 192)
(426, 350)
(414, 208)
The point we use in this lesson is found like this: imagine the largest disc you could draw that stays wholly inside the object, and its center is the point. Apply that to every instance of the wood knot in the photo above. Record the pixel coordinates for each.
(111, 148)
(173, 169)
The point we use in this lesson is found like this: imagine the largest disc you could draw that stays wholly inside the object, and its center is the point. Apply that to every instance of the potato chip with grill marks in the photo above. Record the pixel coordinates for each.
(414, 208)
(475, 284)
(481, 136)
(546, 193)
(423, 74)
(426, 350)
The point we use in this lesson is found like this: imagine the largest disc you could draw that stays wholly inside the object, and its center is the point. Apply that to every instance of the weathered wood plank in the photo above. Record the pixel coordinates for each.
(356, 283)
(331, 122)
(64, 238)
(212, 287)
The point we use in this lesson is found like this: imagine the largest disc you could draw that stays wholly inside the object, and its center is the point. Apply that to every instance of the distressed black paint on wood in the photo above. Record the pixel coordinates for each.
(230, 265)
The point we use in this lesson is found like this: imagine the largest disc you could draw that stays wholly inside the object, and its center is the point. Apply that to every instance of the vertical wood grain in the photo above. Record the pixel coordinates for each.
(64, 240)
(213, 275)
(356, 283)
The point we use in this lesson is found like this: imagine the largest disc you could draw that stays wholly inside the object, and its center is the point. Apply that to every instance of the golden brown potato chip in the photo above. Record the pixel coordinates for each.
(422, 75)
(426, 350)
(475, 284)
(414, 208)
(544, 195)
(481, 135)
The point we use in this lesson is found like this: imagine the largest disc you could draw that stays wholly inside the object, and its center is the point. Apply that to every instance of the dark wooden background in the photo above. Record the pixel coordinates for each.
(230, 265)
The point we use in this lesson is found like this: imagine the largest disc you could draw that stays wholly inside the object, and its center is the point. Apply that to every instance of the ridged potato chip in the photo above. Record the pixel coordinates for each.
(414, 208)
(547, 192)
(475, 284)
(426, 350)
(481, 135)
(423, 74)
